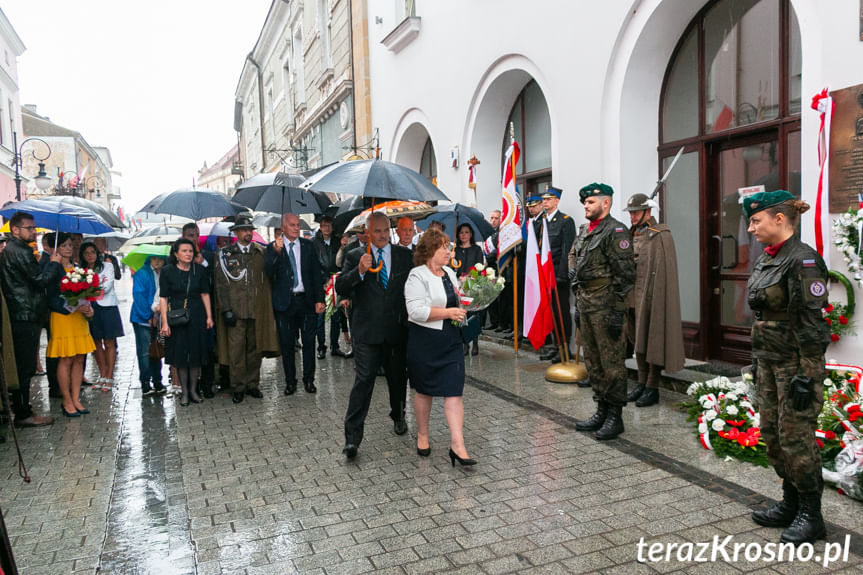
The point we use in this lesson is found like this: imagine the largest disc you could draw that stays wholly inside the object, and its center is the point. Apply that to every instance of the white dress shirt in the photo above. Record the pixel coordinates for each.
(106, 282)
(296, 249)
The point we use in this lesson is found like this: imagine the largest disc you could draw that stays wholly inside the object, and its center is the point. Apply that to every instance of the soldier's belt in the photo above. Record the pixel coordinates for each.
(595, 283)
(771, 315)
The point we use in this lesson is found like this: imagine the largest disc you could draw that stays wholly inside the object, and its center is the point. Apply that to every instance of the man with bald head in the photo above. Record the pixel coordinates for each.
(298, 296)
(405, 230)
(373, 278)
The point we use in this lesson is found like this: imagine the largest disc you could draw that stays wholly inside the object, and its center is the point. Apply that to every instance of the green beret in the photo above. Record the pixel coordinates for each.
(763, 200)
(594, 189)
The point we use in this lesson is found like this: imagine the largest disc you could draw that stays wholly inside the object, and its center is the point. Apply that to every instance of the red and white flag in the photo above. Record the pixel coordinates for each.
(509, 235)
(538, 283)
(822, 103)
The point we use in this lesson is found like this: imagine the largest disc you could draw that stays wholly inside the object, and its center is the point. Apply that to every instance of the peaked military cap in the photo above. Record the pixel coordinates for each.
(595, 189)
(763, 200)
(552, 192)
(533, 200)
(243, 222)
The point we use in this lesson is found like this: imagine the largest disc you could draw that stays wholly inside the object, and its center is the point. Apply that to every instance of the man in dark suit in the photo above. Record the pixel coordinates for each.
(379, 326)
(298, 296)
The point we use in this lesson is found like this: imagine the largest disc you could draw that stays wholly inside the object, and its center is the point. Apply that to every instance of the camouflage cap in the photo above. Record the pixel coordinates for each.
(594, 189)
(763, 200)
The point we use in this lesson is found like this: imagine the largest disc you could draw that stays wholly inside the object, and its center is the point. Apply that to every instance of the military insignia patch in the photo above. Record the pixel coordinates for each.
(808, 263)
(619, 230)
(624, 244)
(817, 288)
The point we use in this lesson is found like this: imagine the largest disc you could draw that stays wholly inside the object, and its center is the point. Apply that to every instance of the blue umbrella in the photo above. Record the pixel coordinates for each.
(453, 215)
(58, 216)
(196, 205)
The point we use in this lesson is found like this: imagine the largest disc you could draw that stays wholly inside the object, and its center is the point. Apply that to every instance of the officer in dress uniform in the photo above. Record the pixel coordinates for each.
(602, 272)
(786, 291)
(561, 235)
(243, 297)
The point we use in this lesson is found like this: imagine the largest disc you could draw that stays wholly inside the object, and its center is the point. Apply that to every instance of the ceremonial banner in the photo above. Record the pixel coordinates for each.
(511, 215)
(823, 104)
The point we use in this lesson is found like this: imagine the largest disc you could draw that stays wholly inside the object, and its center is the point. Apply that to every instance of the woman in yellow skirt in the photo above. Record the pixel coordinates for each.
(70, 339)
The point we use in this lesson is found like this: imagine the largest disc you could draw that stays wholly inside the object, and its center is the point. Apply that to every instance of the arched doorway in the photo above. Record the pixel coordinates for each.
(415, 149)
(731, 99)
(532, 128)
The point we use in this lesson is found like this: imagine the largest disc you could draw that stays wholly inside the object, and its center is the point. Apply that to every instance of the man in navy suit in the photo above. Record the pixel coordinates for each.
(298, 298)
(379, 326)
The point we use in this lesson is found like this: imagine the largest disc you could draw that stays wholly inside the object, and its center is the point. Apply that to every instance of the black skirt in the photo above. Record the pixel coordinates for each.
(106, 322)
(435, 357)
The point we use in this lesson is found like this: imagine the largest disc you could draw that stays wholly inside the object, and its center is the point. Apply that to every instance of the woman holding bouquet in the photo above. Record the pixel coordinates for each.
(435, 364)
(468, 254)
(70, 339)
(106, 325)
(183, 284)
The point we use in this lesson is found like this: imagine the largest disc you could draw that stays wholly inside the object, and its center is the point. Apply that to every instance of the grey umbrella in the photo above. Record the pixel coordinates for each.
(279, 192)
(376, 179)
(195, 204)
(107, 215)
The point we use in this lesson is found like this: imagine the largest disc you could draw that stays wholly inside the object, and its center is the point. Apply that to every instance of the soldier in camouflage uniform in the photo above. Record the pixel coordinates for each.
(787, 289)
(602, 272)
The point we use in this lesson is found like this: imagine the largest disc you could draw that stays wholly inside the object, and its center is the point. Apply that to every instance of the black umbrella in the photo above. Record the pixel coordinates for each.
(453, 215)
(376, 179)
(197, 204)
(275, 221)
(107, 215)
(279, 193)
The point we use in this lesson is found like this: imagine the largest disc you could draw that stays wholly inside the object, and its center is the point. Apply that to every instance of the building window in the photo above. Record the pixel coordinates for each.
(529, 117)
(299, 73)
(428, 162)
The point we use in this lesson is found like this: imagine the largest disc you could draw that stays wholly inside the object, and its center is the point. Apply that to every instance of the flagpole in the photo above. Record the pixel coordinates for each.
(515, 333)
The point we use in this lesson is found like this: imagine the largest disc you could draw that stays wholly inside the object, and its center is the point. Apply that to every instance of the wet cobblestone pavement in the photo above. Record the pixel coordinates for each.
(142, 485)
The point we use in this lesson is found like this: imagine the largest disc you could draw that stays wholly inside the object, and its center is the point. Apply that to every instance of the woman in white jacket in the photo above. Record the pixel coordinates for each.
(434, 352)
(106, 325)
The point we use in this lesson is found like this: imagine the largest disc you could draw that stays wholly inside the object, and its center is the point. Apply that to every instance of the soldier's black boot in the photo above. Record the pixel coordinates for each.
(613, 425)
(780, 514)
(808, 524)
(649, 397)
(635, 393)
(596, 420)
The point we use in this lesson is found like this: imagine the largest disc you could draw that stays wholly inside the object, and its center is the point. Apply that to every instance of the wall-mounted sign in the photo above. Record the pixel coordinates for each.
(748, 191)
(846, 148)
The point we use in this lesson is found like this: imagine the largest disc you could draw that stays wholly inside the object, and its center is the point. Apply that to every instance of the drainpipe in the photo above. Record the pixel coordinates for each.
(260, 110)
(353, 75)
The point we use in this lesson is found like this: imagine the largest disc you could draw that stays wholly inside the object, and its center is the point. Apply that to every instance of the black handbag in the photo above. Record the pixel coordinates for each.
(180, 317)
(471, 329)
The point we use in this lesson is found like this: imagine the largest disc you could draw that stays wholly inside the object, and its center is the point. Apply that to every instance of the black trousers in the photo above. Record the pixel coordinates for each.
(335, 331)
(27, 335)
(367, 358)
(297, 318)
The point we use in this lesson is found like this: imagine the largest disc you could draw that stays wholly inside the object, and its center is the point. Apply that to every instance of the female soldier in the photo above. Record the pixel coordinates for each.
(787, 290)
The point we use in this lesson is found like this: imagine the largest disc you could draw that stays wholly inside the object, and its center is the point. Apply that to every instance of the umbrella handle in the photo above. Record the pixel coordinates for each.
(454, 263)
(378, 267)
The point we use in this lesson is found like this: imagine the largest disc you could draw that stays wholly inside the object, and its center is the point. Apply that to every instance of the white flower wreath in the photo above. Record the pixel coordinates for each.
(847, 229)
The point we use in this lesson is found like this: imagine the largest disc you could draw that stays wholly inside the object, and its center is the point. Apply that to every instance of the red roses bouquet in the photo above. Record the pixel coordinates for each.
(80, 284)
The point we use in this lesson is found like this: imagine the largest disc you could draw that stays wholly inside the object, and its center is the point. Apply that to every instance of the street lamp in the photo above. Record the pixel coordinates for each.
(98, 189)
(67, 189)
(41, 180)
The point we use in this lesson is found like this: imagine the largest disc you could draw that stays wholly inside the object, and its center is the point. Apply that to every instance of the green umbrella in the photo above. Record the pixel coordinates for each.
(135, 259)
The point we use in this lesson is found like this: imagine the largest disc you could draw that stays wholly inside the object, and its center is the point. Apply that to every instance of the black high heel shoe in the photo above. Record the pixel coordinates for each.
(70, 414)
(424, 452)
(464, 461)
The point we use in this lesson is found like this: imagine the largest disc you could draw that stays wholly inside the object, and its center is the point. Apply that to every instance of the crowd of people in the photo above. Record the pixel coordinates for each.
(398, 315)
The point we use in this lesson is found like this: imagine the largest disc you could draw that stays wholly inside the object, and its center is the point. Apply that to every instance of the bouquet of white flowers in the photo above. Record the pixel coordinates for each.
(479, 288)
(80, 284)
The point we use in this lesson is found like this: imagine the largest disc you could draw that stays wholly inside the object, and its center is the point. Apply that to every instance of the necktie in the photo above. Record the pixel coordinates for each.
(293, 259)
(383, 273)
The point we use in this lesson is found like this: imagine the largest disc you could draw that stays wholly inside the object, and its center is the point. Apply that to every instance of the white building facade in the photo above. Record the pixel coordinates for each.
(609, 93)
(11, 47)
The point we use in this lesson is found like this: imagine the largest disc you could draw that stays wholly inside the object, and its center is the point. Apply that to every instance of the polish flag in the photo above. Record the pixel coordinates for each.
(538, 283)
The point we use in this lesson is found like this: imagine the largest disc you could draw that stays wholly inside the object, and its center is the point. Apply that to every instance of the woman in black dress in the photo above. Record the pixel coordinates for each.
(434, 358)
(185, 283)
(468, 254)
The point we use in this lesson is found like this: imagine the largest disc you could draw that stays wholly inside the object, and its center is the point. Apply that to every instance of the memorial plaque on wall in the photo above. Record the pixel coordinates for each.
(846, 148)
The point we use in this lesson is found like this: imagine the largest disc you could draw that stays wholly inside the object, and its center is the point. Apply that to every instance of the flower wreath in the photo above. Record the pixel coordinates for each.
(847, 229)
(837, 315)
